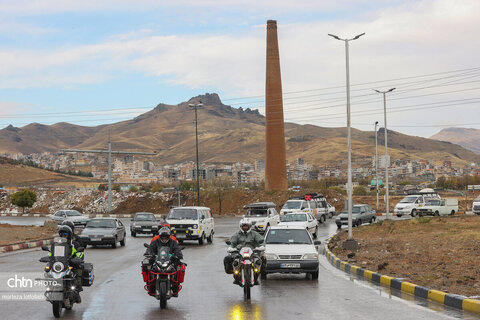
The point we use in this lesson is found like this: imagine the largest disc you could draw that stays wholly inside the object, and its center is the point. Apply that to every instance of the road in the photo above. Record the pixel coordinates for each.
(208, 293)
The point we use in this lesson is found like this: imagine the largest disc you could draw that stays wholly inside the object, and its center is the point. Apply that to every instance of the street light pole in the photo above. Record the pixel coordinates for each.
(376, 160)
(195, 106)
(349, 146)
(387, 161)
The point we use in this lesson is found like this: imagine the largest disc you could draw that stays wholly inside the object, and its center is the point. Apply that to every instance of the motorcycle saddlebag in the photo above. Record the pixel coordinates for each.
(181, 273)
(87, 275)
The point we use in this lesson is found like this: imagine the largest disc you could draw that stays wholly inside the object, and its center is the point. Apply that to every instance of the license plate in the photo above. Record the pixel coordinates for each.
(148, 230)
(290, 265)
(180, 236)
(96, 239)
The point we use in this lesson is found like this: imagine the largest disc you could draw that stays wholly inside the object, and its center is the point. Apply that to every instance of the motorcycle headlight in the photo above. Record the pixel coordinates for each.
(58, 266)
(310, 256)
(271, 256)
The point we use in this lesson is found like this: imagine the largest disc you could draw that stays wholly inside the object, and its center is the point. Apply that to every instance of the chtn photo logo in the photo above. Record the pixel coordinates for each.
(23, 282)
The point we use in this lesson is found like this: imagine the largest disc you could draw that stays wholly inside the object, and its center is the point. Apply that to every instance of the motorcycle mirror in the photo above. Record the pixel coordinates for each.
(146, 245)
(45, 248)
(317, 242)
(44, 259)
(228, 242)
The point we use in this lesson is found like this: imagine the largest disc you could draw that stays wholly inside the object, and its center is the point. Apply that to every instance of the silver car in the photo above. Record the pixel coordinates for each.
(361, 213)
(104, 231)
(144, 222)
(76, 217)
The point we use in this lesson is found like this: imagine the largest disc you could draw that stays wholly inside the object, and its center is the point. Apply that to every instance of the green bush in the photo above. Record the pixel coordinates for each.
(338, 190)
(424, 219)
(133, 189)
(24, 198)
(360, 191)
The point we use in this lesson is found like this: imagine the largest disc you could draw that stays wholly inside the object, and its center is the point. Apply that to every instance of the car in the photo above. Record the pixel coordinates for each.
(290, 249)
(144, 222)
(301, 219)
(439, 207)
(261, 215)
(76, 217)
(476, 206)
(104, 231)
(313, 203)
(361, 213)
(411, 203)
(192, 223)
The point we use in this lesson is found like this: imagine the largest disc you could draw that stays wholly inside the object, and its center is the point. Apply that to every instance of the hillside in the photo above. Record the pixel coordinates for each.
(465, 137)
(226, 135)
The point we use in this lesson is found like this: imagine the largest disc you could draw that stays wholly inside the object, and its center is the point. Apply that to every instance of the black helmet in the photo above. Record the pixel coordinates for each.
(65, 231)
(164, 234)
(70, 224)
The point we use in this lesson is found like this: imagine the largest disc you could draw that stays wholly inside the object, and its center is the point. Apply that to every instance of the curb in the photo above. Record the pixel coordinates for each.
(452, 300)
(25, 245)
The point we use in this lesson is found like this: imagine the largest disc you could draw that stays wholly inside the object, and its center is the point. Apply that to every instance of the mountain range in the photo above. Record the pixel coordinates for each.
(226, 135)
(466, 137)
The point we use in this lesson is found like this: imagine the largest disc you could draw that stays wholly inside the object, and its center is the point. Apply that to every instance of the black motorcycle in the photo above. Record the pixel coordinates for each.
(163, 278)
(246, 267)
(62, 291)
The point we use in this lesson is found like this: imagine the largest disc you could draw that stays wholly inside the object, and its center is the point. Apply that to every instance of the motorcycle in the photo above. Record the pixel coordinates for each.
(60, 279)
(246, 267)
(163, 279)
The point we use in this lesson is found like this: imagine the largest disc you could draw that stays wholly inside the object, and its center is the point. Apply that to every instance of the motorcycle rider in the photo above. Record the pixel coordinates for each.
(75, 239)
(164, 240)
(246, 237)
(66, 232)
(160, 226)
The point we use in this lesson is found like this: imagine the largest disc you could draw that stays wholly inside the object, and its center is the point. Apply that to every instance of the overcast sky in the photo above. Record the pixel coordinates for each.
(75, 60)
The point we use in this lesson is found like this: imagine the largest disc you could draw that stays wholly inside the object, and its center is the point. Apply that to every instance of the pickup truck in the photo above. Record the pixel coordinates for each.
(439, 207)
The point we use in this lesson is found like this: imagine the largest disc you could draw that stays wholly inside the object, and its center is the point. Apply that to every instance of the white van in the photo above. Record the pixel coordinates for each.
(191, 223)
(439, 207)
(476, 206)
(410, 204)
(313, 203)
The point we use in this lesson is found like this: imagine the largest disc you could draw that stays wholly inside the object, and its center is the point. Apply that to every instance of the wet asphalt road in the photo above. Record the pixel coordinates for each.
(208, 293)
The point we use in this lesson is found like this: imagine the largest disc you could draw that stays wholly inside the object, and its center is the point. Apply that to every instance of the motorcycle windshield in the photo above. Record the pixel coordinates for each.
(163, 254)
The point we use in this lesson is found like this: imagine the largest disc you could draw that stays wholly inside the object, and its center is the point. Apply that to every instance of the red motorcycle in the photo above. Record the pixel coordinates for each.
(164, 277)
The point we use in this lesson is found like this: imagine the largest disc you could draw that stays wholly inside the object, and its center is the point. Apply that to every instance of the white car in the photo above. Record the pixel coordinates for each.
(290, 249)
(76, 217)
(410, 204)
(313, 203)
(261, 215)
(302, 219)
(191, 223)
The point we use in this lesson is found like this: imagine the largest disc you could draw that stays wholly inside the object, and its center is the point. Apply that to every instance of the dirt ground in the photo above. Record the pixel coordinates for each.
(441, 253)
(14, 234)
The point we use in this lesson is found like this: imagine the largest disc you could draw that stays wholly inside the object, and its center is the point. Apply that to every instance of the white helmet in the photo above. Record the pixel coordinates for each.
(245, 223)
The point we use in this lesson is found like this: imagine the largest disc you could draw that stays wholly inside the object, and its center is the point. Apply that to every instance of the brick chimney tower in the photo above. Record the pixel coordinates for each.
(275, 156)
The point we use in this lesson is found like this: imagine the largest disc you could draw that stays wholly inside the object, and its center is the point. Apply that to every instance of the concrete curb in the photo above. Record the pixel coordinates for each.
(25, 245)
(452, 300)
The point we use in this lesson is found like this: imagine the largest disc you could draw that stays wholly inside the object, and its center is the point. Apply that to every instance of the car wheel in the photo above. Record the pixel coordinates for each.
(315, 234)
(210, 238)
(201, 241)
(122, 243)
(436, 213)
(133, 234)
(453, 212)
(359, 223)
(414, 213)
(339, 226)
(372, 220)
(114, 244)
(399, 215)
(314, 275)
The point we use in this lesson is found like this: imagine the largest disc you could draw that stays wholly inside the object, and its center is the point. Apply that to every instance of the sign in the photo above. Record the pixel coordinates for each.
(473, 187)
(374, 182)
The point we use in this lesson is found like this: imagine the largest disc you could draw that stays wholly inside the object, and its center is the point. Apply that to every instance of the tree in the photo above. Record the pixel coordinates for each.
(24, 198)
(156, 188)
(359, 191)
(133, 189)
(116, 187)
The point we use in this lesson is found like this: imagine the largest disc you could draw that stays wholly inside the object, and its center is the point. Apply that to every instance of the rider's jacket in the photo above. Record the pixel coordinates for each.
(174, 248)
(250, 239)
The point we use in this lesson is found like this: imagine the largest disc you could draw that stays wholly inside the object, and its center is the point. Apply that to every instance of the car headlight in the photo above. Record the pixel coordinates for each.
(195, 226)
(310, 256)
(271, 256)
(108, 236)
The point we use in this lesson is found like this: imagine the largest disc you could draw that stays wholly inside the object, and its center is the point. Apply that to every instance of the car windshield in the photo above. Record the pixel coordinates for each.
(288, 236)
(257, 213)
(101, 223)
(433, 202)
(409, 199)
(144, 217)
(73, 213)
(183, 214)
(354, 210)
(293, 217)
(292, 205)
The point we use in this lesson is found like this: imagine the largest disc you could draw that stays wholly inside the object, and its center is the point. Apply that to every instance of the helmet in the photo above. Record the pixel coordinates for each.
(165, 224)
(164, 234)
(245, 226)
(69, 224)
(65, 231)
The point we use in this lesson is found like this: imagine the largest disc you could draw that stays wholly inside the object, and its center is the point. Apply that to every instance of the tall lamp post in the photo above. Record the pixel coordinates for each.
(387, 161)
(376, 160)
(195, 106)
(349, 146)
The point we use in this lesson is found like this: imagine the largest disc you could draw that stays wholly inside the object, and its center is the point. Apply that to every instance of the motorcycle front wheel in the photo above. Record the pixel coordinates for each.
(163, 295)
(247, 283)
(57, 308)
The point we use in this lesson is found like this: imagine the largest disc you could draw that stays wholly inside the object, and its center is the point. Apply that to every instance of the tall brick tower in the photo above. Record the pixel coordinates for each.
(275, 157)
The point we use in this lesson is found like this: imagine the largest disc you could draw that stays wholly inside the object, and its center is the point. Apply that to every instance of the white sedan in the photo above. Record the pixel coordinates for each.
(301, 219)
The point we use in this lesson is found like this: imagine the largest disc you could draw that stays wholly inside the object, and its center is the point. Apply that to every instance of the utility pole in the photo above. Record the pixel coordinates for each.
(350, 242)
(387, 160)
(376, 159)
(195, 106)
(110, 152)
